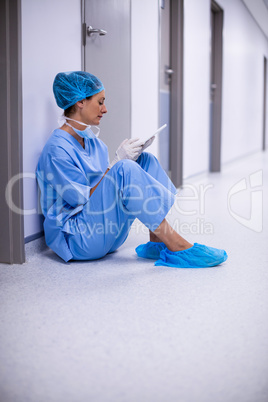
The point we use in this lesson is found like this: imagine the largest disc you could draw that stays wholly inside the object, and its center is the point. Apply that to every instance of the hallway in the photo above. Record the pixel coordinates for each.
(120, 329)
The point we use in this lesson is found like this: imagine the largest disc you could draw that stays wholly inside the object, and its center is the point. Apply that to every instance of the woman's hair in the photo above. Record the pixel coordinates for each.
(72, 109)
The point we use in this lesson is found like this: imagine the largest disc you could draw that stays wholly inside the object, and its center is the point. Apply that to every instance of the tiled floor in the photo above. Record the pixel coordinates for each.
(120, 329)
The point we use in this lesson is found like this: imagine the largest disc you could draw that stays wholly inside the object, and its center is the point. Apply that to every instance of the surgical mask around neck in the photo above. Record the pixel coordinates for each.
(87, 133)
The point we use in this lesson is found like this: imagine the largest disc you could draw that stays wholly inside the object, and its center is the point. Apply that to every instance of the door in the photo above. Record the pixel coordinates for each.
(215, 87)
(165, 79)
(107, 55)
(12, 222)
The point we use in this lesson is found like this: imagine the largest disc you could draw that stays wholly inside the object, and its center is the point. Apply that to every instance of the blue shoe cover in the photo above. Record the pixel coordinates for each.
(150, 250)
(198, 256)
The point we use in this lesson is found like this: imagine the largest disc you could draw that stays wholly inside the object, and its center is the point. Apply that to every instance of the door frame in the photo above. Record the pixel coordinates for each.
(176, 90)
(216, 77)
(83, 35)
(12, 248)
(264, 102)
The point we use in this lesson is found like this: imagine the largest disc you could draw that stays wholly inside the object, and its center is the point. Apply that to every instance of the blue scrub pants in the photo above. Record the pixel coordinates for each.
(129, 190)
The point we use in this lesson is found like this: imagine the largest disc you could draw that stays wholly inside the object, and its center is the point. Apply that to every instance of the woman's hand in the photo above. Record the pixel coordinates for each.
(128, 149)
(144, 146)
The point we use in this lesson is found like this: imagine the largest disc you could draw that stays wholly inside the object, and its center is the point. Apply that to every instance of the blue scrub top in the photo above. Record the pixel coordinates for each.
(65, 173)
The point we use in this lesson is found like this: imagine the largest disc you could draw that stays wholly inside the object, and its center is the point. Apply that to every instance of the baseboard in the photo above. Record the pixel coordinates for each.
(32, 237)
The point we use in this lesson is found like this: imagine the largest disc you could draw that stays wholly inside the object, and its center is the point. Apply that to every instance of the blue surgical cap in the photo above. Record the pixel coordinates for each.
(75, 86)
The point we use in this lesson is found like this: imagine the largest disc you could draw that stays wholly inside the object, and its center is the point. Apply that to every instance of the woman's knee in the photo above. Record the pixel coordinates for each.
(150, 156)
(126, 165)
(146, 160)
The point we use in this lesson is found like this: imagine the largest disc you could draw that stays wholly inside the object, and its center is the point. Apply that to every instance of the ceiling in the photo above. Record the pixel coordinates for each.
(259, 10)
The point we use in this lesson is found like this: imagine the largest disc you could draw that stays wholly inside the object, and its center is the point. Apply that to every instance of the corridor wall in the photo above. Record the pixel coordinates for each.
(244, 47)
(51, 42)
(145, 69)
(196, 86)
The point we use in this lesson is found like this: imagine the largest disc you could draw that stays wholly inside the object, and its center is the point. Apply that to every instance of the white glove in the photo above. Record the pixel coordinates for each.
(128, 149)
(144, 146)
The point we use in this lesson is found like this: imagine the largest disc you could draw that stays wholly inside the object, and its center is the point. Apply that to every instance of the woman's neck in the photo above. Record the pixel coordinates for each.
(73, 134)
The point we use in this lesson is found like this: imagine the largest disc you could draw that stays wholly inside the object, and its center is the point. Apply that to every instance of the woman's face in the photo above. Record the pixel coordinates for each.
(94, 109)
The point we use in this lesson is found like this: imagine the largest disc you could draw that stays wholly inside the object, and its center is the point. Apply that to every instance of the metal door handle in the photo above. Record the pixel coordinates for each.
(91, 31)
(169, 71)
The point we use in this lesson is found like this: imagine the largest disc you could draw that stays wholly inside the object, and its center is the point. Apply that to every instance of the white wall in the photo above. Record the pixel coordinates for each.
(51, 42)
(196, 86)
(244, 46)
(144, 69)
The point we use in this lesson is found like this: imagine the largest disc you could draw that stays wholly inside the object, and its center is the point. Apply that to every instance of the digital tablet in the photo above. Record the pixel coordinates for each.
(157, 132)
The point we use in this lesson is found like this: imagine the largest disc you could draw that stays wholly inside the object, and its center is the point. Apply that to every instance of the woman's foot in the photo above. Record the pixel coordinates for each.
(180, 246)
(198, 256)
(150, 250)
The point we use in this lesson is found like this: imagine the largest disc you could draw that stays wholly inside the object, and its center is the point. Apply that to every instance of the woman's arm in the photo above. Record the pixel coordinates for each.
(94, 188)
